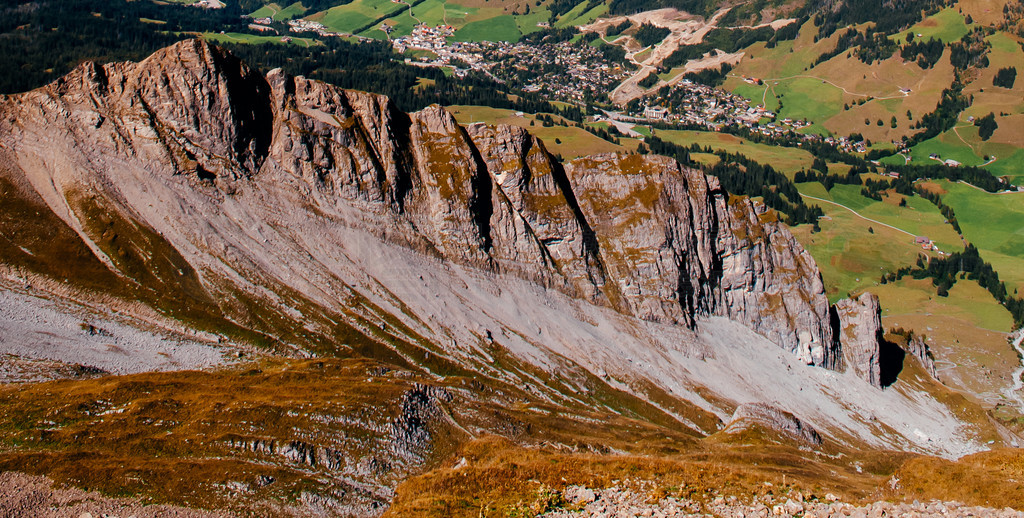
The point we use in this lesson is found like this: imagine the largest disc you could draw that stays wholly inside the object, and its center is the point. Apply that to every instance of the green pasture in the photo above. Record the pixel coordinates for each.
(994, 223)
(580, 16)
(785, 160)
(278, 13)
(946, 25)
(355, 15)
(527, 23)
(238, 37)
(498, 28)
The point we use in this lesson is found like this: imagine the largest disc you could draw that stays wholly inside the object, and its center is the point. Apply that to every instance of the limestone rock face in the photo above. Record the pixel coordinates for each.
(639, 234)
(776, 419)
(918, 348)
(860, 336)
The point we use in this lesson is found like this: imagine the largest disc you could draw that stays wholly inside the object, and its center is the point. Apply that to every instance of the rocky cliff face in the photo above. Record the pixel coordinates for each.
(290, 217)
(636, 233)
(860, 333)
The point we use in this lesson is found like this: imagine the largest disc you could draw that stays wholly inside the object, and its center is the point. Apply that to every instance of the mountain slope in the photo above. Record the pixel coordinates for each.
(298, 219)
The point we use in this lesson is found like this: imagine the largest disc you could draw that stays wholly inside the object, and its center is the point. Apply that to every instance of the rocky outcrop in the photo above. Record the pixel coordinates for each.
(636, 233)
(775, 419)
(858, 324)
(918, 348)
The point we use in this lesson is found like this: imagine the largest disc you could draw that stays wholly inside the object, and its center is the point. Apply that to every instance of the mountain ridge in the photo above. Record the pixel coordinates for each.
(328, 224)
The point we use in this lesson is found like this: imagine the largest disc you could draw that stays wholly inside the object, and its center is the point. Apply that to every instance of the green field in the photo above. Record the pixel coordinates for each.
(785, 160)
(854, 253)
(1011, 166)
(995, 224)
(946, 25)
(578, 16)
(470, 23)
(527, 23)
(279, 13)
(351, 17)
(237, 37)
(643, 130)
(919, 218)
(430, 12)
(498, 28)
(957, 145)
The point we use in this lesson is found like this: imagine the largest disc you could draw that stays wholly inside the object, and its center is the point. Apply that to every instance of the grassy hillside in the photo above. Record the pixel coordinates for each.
(784, 159)
(279, 13)
(855, 247)
(567, 141)
(473, 21)
(994, 223)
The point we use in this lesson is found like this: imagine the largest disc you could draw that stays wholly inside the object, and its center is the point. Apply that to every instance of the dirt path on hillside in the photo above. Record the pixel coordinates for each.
(859, 215)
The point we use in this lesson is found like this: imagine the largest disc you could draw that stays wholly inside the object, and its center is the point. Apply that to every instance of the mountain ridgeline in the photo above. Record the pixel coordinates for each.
(312, 221)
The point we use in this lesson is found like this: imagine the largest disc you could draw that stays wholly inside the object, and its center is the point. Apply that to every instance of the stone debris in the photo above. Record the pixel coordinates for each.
(620, 502)
(26, 496)
(776, 419)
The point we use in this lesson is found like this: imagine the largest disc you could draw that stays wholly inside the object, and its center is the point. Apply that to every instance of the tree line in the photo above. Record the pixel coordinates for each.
(945, 271)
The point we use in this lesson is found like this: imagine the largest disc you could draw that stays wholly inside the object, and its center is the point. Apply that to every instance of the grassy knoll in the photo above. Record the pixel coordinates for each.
(784, 159)
(995, 224)
(570, 142)
(238, 37)
(279, 13)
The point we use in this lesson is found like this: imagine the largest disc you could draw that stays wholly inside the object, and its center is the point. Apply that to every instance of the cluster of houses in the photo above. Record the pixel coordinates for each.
(564, 71)
(701, 105)
(300, 25)
(693, 103)
(423, 37)
(927, 244)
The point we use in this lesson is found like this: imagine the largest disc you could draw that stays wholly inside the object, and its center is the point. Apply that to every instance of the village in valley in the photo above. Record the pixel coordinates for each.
(573, 71)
